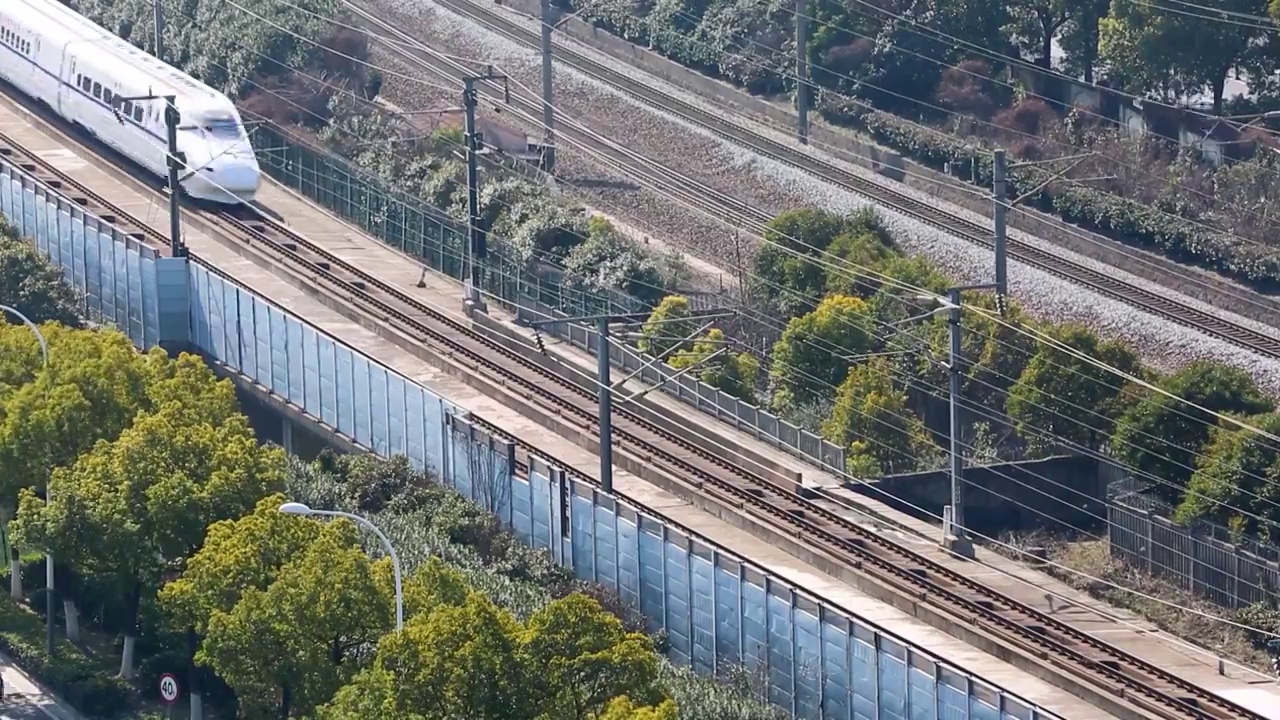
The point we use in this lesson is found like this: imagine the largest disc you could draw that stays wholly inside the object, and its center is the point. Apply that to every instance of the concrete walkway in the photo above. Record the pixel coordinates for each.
(25, 699)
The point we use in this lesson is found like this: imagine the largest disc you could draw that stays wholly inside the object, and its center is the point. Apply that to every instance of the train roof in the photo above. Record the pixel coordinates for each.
(54, 20)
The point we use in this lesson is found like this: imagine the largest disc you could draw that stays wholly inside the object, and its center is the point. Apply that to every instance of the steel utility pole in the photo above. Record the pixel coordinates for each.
(957, 541)
(604, 381)
(606, 404)
(1000, 198)
(158, 12)
(477, 247)
(548, 110)
(175, 161)
(802, 73)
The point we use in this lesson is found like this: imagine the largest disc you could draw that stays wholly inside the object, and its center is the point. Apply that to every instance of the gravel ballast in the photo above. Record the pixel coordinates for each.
(765, 184)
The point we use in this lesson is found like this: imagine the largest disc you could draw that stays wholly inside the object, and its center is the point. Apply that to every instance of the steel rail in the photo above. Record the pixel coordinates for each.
(1104, 669)
(730, 129)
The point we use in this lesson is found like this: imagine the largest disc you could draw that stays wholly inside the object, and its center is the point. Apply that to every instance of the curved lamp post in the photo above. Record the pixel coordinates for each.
(49, 592)
(294, 508)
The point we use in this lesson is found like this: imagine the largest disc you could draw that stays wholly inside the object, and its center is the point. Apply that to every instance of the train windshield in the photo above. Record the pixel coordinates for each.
(222, 128)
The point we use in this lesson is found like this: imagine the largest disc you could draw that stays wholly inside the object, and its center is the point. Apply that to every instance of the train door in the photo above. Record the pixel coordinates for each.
(66, 83)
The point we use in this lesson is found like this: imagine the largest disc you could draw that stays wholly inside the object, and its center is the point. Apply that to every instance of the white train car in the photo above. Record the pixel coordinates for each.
(78, 69)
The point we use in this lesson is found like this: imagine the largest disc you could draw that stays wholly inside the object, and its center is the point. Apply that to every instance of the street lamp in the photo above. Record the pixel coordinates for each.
(296, 508)
(48, 594)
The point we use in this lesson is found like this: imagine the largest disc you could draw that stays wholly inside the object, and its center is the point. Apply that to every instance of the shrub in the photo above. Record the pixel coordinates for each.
(1128, 221)
(71, 675)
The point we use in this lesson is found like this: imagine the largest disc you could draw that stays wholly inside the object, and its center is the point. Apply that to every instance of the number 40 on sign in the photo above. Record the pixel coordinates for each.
(169, 688)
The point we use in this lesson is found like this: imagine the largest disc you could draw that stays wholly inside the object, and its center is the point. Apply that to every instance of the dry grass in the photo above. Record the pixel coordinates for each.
(1169, 608)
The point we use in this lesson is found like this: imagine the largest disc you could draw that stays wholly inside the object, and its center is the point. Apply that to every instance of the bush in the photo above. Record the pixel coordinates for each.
(89, 689)
(1128, 221)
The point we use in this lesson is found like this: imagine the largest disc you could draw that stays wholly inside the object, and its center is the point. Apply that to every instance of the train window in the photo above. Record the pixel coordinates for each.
(97, 90)
(86, 84)
(137, 114)
(107, 96)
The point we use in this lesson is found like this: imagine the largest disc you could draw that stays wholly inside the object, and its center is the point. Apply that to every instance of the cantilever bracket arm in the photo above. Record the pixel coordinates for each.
(695, 366)
(663, 355)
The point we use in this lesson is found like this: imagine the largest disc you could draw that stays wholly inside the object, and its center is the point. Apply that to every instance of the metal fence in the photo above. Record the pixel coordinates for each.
(1191, 558)
(716, 608)
(749, 418)
(415, 227)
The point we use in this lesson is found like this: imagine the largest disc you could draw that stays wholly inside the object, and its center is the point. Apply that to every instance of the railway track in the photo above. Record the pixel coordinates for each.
(1126, 682)
(730, 129)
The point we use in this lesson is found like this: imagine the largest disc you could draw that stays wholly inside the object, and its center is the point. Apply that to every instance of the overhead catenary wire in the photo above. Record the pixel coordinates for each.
(537, 122)
(863, 269)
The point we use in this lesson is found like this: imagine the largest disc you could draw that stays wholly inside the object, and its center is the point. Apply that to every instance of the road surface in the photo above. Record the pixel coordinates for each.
(25, 700)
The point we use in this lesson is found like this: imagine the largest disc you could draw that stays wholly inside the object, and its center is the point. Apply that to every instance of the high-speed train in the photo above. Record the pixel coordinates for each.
(78, 69)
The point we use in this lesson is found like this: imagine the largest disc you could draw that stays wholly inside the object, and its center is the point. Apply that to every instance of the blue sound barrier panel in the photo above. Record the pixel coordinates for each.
(702, 584)
(807, 663)
(921, 695)
(836, 669)
(415, 427)
(297, 352)
(652, 578)
(397, 420)
(311, 371)
(606, 539)
(360, 397)
(583, 524)
(781, 647)
(629, 562)
(679, 635)
(728, 614)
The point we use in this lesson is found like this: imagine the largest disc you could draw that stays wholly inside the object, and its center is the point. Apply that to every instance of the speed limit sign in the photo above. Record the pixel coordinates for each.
(169, 688)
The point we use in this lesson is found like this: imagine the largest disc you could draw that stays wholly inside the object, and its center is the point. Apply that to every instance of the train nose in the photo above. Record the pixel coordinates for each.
(230, 180)
(239, 177)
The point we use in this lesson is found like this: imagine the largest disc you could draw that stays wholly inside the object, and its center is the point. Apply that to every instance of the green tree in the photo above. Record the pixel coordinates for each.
(789, 270)
(1080, 37)
(237, 555)
(668, 322)
(871, 418)
(458, 661)
(472, 659)
(95, 384)
(895, 301)
(288, 649)
(584, 658)
(1035, 24)
(1163, 436)
(1237, 482)
(734, 374)
(815, 351)
(624, 709)
(996, 350)
(857, 259)
(1062, 396)
(31, 284)
(130, 509)
(1151, 50)
(608, 260)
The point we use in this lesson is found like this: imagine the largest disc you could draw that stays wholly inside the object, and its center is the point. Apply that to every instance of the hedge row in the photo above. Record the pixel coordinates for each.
(71, 676)
(1112, 216)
